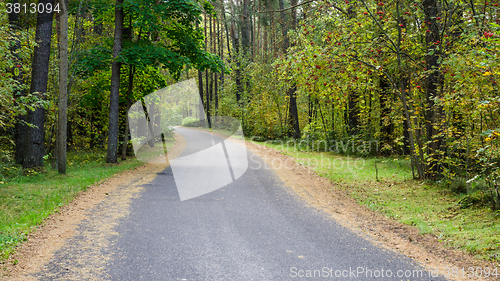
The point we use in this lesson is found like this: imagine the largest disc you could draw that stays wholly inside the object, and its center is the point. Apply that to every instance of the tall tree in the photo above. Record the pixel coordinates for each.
(236, 47)
(114, 94)
(32, 141)
(294, 116)
(63, 87)
(245, 28)
(434, 78)
(207, 81)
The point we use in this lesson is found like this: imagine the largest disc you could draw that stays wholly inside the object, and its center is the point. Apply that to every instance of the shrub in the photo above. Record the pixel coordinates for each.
(190, 122)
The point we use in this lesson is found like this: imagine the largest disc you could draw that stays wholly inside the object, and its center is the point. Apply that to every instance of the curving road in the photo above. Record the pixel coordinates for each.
(251, 229)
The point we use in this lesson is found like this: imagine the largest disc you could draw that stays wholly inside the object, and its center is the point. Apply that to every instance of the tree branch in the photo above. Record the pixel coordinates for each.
(291, 7)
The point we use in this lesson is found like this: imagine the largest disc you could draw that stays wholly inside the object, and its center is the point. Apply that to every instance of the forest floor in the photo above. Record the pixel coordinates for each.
(334, 198)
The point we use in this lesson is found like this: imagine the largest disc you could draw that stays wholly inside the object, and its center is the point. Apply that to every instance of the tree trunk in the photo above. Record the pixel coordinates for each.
(214, 33)
(294, 116)
(63, 87)
(226, 28)
(237, 71)
(129, 102)
(33, 140)
(220, 43)
(220, 40)
(245, 35)
(433, 111)
(284, 29)
(207, 97)
(353, 114)
(386, 125)
(114, 94)
(208, 84)
(200, 87)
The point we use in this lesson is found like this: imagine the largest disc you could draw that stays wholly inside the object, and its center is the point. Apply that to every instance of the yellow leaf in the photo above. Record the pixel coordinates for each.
(487, 73)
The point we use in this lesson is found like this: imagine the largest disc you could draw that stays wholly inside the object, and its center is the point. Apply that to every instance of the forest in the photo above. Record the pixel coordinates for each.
(419, 78)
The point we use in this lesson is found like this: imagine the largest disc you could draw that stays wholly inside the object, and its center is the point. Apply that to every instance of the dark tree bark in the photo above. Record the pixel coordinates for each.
(220, 40)
(245, 34)
(114, 94)
(284, 28)
(386, 124)
(207, 96)
(31, 154)
(252, 32)
(227, 30)
(201, 111)
(207, 81)
(200, 107)
(294, 14)
(214, 36)
(294, 116)
(237, 71)
(353, 113)
(219, 51)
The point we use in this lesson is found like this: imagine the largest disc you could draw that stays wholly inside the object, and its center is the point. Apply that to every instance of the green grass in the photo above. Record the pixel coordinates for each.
(429, 207)
(27, 197)
(347, 169)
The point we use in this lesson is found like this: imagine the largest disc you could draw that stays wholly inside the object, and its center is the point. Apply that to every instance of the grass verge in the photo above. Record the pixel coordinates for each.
(27, 197)
(385, 185)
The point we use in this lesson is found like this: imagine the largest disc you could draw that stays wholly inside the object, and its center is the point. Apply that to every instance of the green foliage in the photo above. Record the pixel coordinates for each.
(190, 122)
(163, 36)
(10, 108)
(371, 61)
(97, 58)
(476, 199)
(7, 84)
(161, 40)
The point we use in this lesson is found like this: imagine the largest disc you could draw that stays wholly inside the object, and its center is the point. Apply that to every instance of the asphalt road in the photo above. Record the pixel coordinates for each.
(252, 229)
